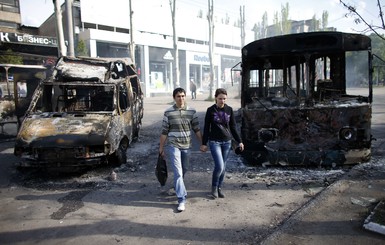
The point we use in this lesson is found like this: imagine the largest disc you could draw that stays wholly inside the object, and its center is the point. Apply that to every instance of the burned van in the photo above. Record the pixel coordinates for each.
(306, 99)
(88, 112)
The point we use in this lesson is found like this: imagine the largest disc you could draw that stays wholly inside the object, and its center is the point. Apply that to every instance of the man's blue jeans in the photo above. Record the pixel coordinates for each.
(180, 161)
(220, 151)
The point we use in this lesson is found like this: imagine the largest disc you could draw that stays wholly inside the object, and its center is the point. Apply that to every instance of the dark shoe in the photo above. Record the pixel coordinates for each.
(214, 191)
(220, 193)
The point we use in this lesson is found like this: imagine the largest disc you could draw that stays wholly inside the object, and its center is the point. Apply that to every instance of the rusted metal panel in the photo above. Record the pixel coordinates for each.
(45, 125)
(83, 71)
(310, 133)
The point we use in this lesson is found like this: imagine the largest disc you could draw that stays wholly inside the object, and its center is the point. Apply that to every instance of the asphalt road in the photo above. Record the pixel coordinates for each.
(270, 206)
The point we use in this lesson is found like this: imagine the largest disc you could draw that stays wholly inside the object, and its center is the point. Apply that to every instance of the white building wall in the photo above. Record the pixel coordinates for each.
(146, 71)
(92, 48)
(155, 17)
(153, 28)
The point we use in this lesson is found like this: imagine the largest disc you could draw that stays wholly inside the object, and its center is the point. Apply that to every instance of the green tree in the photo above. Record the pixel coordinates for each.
(277, 25)
(314, 24)
(200, 14)
(281, 22)
(260, 29)
(325, 20)
(9, 57)
(374, 27)
(285, 22)
(226, 20)
(81, 49)
(210, 19)
(264, 25)
(378, 49)
(175, 61)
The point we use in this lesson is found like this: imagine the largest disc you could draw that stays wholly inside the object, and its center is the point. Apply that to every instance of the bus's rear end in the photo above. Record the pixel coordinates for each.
(306, 99)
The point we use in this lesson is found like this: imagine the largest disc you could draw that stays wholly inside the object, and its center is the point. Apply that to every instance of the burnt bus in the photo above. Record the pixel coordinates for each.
(306, 99)
(87, 113)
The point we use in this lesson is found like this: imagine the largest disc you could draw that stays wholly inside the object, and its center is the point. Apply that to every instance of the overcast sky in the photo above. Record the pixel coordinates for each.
(35, 12)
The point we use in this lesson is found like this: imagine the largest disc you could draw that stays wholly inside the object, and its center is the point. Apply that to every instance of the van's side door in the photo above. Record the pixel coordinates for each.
(125, 109)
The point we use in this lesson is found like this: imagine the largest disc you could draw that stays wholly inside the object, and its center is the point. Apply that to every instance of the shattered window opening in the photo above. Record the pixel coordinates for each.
(75, 98)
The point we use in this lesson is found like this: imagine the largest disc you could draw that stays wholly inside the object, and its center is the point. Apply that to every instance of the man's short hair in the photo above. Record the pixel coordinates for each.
(178, 90)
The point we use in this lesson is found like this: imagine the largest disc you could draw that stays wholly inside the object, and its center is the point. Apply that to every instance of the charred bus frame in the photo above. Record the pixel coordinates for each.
(306, 99)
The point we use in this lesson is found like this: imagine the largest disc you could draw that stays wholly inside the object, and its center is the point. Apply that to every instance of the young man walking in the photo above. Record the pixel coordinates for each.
(179, 121)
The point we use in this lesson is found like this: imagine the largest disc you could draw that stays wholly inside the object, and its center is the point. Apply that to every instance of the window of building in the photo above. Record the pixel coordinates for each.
(9, 6)
(123, 30)
(190, 40)
(106, 28)
(89, 26)
(8, 24)
(112, 50)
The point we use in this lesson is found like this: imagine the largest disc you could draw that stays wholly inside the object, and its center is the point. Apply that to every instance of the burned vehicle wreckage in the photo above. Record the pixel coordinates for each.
(306, 99)
(87, 113)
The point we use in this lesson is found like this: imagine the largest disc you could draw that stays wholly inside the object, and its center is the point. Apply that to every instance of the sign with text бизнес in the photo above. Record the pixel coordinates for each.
(10, 37)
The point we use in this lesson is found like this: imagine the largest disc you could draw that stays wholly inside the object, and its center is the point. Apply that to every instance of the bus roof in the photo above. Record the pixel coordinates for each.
(309, 42)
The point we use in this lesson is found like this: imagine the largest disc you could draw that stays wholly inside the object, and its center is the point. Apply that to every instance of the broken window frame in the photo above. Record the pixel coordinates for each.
(60, 97)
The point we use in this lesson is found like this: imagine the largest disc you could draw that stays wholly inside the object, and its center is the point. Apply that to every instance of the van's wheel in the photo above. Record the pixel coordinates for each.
(121, 152)
(120, 155)
(136, 131)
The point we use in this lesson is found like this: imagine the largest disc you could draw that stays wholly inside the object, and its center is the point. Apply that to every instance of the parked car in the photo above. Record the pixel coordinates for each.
(88, 112)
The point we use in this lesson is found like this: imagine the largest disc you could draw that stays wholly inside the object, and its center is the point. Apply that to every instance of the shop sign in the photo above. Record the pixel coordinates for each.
(201, 58)
(168, 56)
(198, 58)
(10, 37)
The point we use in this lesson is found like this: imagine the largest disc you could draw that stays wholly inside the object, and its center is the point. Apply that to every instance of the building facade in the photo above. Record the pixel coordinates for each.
(105, 29)
(23, 41)
(24, 57)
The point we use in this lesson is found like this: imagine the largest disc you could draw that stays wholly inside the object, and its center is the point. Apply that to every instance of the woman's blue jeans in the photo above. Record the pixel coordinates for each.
(180, 161)
(220, 151)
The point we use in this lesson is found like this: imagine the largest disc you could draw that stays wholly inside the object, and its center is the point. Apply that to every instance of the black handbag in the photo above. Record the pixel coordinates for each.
(161, 170)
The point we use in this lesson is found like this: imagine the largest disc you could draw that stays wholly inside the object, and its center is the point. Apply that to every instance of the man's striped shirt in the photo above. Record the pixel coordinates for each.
(177, 125)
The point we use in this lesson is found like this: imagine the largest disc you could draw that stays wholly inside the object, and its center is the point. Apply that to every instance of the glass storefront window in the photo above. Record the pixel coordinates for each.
(112, 50)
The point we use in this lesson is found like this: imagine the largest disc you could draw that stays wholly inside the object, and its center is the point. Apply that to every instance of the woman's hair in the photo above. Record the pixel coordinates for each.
(220, 91)
(178, 90)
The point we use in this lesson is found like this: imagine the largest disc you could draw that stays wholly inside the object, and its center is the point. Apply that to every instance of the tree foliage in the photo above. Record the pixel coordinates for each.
(378, 50)
(260, 29)
(314, 25)
(358, 18)
(175, 62)
(378, 44)
(81, 49)
(283, 25)
(210, 19)
(285, 21)
(325, 20)
(281, 22)
(9, 57)
(276, 23)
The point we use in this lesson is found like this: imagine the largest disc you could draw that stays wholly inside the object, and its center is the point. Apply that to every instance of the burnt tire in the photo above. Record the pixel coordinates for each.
(121, 152)
(120, 155)
(136, 122)
(136, 130)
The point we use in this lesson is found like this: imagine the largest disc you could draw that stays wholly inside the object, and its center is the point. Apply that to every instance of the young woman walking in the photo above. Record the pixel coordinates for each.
(219, 130)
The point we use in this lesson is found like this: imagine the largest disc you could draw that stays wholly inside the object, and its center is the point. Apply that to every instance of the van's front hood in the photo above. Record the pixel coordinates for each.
(65, 130)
